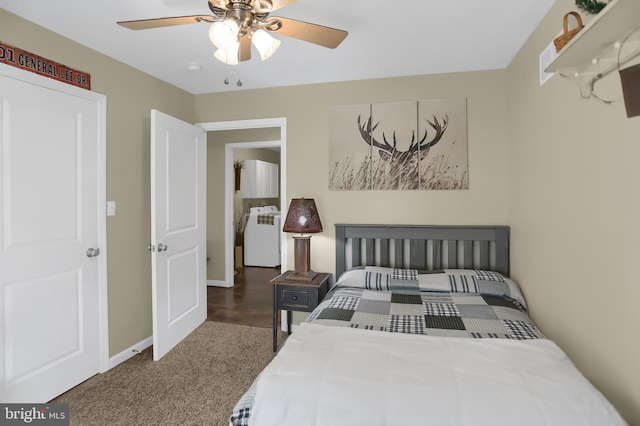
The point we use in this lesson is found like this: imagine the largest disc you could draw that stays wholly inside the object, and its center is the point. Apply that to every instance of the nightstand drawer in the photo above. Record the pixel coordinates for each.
(291, 294)
(298, 299)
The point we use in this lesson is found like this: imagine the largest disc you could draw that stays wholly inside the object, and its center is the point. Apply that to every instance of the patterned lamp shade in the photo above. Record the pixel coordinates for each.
(302, 217)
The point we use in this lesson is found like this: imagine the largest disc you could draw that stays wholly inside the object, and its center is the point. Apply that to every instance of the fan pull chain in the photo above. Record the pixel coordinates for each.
(226, 81)
(226, 77)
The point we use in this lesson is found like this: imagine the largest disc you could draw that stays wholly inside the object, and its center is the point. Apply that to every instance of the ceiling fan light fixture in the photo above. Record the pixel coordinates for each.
(228, 56)
(236, 24)
(224, 34)
(265, 43)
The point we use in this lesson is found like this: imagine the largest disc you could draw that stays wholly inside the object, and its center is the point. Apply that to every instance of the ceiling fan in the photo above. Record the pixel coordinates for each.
(235, 24)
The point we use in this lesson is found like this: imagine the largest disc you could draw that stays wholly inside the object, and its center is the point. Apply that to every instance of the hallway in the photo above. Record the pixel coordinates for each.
(248, 302)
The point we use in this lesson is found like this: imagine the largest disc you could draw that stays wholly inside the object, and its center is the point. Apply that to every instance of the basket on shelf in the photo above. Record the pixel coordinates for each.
(567, 35)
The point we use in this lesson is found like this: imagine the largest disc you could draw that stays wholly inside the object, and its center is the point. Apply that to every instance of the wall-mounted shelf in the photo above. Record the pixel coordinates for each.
(593, 52)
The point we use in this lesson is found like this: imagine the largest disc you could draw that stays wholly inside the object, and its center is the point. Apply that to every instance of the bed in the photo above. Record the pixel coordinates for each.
(423, 326)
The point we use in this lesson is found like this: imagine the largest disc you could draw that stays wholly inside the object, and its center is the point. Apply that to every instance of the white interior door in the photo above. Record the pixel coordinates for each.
(178, 230)
(49, 218)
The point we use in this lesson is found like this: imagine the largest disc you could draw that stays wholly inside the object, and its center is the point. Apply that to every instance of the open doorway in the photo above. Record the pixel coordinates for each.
(226, 143)
(256, 205)
(224, 162)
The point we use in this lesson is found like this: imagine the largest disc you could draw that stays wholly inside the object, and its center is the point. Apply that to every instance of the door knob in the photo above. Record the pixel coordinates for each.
(93, 252)
(162, 247)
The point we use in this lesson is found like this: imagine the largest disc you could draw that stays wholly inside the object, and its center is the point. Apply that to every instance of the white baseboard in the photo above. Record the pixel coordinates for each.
(218, 283)
(129, 353)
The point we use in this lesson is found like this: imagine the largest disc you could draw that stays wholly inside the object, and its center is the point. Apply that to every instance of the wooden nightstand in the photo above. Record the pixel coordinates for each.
(295, 295)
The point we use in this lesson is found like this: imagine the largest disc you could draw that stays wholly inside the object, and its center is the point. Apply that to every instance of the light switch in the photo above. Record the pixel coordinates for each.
(111, 208)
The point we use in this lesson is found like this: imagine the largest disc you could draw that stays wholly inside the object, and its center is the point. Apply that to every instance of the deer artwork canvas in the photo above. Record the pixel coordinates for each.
(399, 146)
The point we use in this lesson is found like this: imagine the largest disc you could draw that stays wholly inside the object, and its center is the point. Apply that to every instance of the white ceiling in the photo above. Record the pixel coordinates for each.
(386, 39)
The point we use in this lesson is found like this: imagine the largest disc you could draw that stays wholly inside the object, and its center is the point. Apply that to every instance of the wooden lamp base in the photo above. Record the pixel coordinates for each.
(302, 259)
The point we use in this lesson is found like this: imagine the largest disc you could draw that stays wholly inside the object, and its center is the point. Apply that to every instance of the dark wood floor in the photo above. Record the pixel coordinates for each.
(248, 302)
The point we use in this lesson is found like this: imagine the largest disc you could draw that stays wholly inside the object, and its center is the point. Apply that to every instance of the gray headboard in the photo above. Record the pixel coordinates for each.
(423, 247)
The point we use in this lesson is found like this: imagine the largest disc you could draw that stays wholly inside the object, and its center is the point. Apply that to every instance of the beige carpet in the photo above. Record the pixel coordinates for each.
(197, 383)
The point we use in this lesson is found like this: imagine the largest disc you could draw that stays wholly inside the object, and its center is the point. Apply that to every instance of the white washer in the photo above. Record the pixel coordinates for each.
(262, 240)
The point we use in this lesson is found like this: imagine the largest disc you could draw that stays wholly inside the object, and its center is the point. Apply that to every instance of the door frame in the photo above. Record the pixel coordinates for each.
(229, 180)
(101, 188)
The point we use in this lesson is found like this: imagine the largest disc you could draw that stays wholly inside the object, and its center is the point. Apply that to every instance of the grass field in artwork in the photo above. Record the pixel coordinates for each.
(433, 172)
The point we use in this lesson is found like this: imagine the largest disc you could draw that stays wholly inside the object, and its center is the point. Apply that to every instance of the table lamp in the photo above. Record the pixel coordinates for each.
(302, 218)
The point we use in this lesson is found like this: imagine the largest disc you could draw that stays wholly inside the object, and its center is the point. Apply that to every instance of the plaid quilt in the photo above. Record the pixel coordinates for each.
(429, 313)
(454, 303)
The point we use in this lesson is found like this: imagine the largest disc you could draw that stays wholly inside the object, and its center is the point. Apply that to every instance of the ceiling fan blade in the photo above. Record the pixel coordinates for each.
(279, 4)
(312, 33)
(244, 52)
(144, 24)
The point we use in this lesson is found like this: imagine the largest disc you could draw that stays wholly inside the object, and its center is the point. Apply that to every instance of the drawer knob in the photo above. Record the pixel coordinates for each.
(294, 298)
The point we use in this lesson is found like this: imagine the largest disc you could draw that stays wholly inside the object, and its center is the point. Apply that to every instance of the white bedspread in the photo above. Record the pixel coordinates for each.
(331, 376)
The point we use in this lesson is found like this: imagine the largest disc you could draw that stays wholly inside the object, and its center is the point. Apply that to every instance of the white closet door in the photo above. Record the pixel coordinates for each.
(49, 287)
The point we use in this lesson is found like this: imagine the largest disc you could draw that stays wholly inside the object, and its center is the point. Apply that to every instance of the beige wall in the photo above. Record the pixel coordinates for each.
(306, 108)
(574, 210)
(131, 95)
